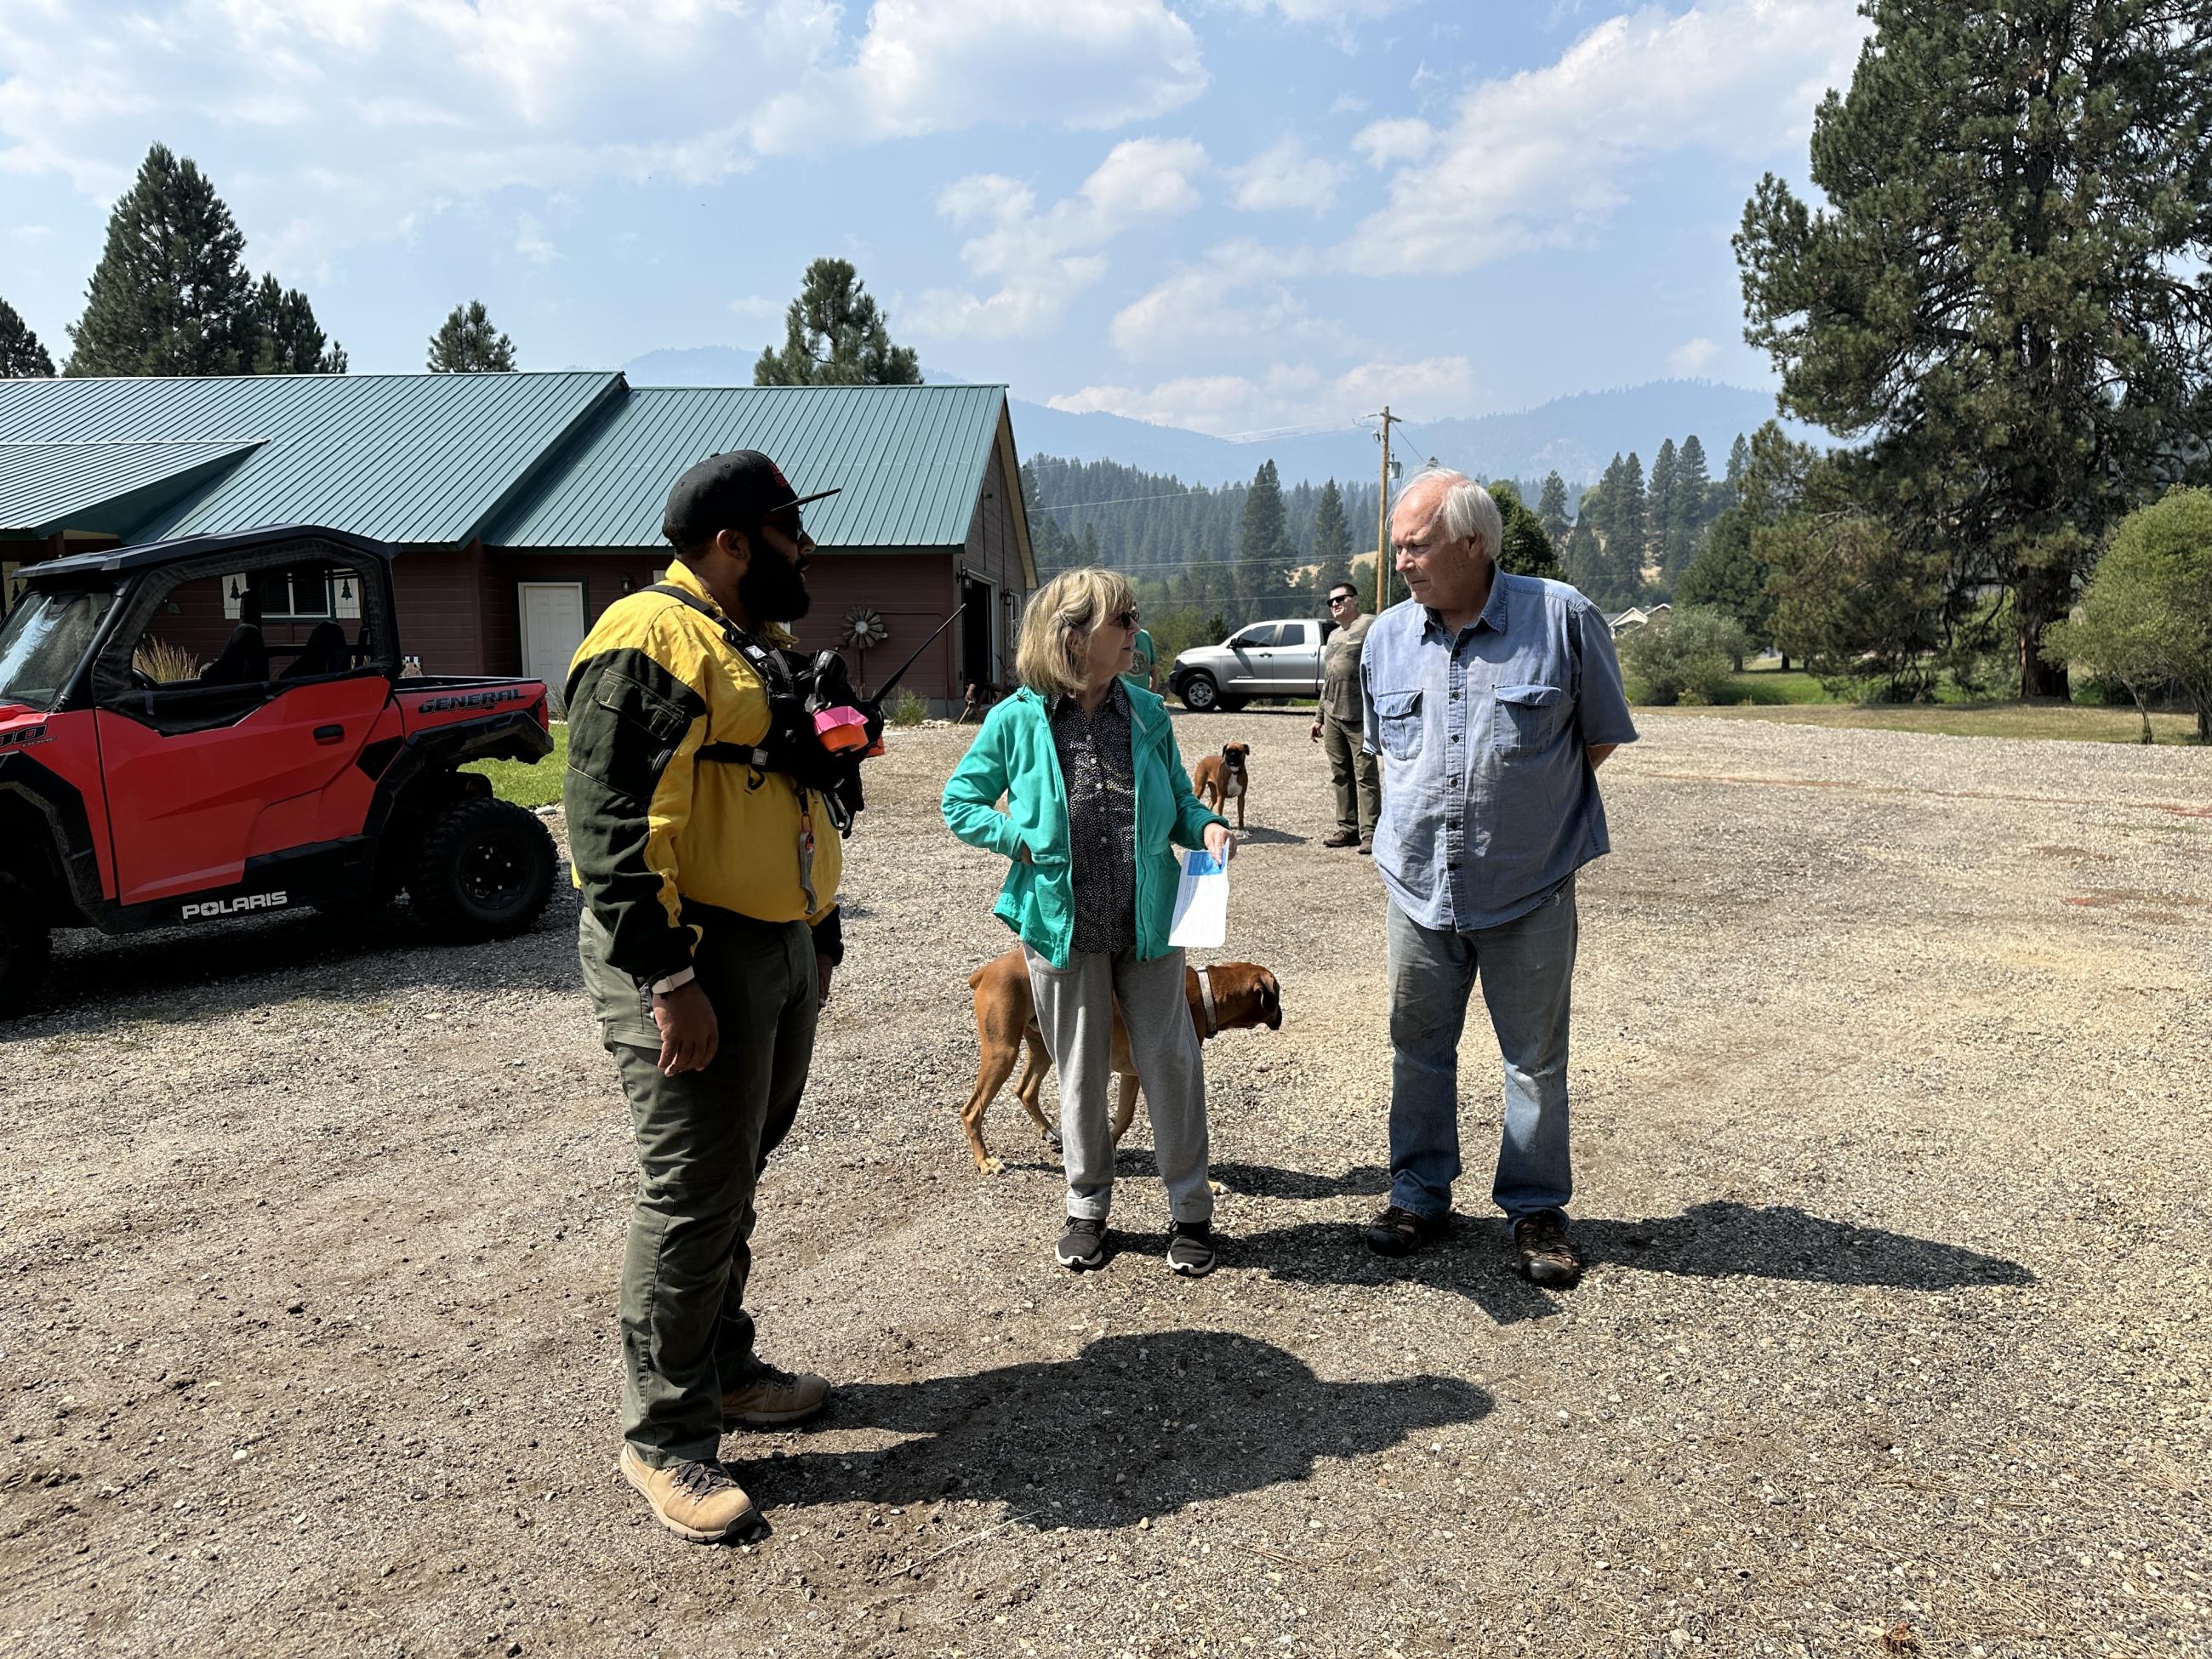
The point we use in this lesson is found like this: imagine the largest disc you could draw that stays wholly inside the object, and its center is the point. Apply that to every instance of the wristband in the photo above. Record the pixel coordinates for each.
(675, 982)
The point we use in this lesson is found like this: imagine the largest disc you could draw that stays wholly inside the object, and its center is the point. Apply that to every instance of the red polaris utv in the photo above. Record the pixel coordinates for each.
(216, 726)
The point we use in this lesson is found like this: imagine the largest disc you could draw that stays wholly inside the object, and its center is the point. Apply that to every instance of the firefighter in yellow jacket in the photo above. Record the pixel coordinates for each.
(709, 932)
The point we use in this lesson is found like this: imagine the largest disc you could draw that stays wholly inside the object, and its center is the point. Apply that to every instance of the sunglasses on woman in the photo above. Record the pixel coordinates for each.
(1125, 619)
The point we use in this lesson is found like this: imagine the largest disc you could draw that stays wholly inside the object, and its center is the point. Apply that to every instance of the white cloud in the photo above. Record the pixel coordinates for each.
(1332, 12)
(530, 240)
(1042, 260)
(757, 305)
(1535, 160)
(1346, 104)
(926, 66)
(329, 123)
(1692, 355)
(1406, 138)
(1286, 395)
(1286, 175)
(1231, 304)
(28, 233)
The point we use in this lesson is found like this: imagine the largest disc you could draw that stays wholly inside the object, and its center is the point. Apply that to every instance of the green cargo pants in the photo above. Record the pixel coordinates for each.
(703, 1140)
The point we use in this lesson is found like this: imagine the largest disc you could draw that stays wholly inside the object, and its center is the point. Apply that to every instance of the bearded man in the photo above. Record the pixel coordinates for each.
(708, 933)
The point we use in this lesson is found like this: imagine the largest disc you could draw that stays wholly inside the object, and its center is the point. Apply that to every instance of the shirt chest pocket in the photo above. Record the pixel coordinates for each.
(1527, 717)
(1398, 723)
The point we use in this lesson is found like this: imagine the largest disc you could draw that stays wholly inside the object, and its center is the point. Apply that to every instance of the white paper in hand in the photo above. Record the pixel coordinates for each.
(1201, 905)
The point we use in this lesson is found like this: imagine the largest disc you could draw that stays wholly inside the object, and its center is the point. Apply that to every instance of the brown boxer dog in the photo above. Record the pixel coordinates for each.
(1226, 776)
(1227, 994)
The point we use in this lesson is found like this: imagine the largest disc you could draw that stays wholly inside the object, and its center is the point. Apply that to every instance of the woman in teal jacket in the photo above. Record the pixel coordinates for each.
(1096, 800)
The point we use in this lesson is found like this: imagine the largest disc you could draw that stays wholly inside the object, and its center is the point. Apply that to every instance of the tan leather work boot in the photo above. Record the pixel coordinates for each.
(697, 1501)
(775, 1397)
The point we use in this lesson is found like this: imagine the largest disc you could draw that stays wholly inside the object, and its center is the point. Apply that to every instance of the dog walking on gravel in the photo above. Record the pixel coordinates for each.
(708, 933)
(1096, 802)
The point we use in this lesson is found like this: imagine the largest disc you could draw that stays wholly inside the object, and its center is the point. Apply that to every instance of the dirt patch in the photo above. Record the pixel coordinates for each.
(1891, 1164)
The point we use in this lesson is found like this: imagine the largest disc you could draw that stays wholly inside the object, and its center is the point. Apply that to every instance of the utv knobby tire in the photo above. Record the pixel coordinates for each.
(484, 869)
(25, 947)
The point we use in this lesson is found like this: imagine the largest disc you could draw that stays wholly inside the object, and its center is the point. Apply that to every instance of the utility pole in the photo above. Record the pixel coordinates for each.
(1383, 516)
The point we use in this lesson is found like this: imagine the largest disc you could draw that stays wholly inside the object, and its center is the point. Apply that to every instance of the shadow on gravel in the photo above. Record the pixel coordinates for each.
(1133, 1427)
(1716, 1240)
(1264, 1181)
(315, 954)
(1256, 836)
(1709, 1240)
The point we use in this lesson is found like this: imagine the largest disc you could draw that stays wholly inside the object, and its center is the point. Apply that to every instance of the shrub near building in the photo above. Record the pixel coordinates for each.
(1689, 658)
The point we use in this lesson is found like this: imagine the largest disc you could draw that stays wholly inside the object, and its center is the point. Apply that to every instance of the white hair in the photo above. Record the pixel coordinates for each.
(1464, 508)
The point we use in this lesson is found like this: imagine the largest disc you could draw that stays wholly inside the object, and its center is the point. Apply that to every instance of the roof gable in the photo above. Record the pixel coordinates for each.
(908, 462)
(401, 457)
(103, 489)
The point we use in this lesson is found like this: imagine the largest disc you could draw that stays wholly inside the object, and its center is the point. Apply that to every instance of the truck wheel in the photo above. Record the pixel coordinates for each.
(482, 870)
(24, 949)
(1200, 695)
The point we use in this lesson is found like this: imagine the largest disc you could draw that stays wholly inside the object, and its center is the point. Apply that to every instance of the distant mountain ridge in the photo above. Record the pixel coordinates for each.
(1575, 435)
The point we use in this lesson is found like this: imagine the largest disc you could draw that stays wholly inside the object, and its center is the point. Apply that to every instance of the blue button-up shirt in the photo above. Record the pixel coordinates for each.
(1489, 800)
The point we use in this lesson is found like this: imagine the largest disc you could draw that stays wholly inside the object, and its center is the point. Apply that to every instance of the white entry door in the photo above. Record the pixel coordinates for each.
(552, 630)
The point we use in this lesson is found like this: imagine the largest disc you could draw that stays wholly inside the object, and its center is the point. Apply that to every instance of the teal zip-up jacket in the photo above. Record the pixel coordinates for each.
(1013, 756)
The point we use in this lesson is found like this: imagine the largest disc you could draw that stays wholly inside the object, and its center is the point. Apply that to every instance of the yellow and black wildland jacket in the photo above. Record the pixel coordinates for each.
(650, 824)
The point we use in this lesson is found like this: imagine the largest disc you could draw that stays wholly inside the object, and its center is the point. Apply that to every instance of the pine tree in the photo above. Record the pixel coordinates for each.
(1728, 575)
(1625, 535)
(1262, 547)
(287, 339)
(833, 335)
(467, 343)
(1551, 508)
(1689, 514)
(1659, 504)
(1330, 548)
(1523, 548)
(1739, 457)
(21, 356)
(2003, 289)
(170, 294)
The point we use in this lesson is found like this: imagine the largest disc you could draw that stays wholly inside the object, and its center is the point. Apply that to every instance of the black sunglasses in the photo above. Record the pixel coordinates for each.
(1124, 618)
(1342, 598)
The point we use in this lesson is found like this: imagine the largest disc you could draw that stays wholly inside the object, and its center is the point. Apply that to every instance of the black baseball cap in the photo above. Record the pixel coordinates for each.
(733, 491)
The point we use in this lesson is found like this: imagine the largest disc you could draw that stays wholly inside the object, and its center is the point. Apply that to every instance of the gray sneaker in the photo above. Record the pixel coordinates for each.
(1190, 1248)
(1082, 1243)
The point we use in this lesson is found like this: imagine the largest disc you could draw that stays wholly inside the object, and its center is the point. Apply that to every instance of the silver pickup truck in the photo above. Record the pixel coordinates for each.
(1261, 659)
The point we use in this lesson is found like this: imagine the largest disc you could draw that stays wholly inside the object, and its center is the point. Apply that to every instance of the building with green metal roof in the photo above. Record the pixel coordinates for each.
(527, 503)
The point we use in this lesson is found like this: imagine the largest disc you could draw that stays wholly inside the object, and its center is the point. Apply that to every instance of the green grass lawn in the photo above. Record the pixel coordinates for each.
(2071, 722)
(1764, 692)
(535, 785)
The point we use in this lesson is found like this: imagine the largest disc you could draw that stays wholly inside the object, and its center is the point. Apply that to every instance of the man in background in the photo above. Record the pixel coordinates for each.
(1351, 769)
(1143, 667)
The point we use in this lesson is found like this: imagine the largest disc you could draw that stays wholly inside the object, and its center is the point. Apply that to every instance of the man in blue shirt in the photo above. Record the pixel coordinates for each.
(1492, 699)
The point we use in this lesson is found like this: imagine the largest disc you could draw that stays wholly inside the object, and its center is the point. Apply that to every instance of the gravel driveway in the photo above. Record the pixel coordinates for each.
(1893, 1071)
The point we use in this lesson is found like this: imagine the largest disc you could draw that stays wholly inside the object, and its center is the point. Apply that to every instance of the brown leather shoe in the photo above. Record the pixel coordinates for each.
(1340, 838)
(697, 1501)
(1401, 1232)
(1547, 1258)
(775, 1397)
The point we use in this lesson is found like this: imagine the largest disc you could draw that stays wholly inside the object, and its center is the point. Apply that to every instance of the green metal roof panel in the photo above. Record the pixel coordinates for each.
(102, 486)
(402, 457)
(910, 460)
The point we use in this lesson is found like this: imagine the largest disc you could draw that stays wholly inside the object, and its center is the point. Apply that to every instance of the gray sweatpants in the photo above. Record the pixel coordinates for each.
(1075, 1009)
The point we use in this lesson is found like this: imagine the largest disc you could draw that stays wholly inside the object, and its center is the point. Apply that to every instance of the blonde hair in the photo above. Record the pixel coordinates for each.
(1062, 614)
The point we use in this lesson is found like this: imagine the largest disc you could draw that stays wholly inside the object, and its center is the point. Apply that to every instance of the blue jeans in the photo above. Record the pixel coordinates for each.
(1526, 967)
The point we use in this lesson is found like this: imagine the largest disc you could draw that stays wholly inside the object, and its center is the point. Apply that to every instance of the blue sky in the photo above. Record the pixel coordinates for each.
(1238, 216)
